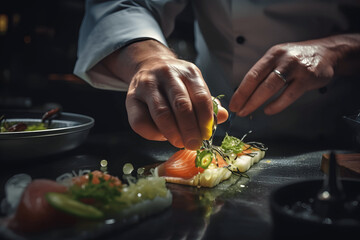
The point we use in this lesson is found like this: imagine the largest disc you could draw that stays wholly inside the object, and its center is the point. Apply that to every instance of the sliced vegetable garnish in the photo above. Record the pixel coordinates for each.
(204, 158)
(232, 144)
(71, 206)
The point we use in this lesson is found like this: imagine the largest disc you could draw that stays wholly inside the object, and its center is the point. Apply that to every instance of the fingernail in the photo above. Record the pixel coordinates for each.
(193, 144)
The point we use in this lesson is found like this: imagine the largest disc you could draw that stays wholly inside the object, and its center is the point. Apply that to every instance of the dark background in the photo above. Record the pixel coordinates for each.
(38, 51)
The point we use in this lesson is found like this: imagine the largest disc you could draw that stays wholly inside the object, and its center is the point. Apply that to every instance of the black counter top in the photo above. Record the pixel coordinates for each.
(237, 208)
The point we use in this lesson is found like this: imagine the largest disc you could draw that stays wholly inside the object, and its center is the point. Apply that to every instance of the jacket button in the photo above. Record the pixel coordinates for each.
(240, 39)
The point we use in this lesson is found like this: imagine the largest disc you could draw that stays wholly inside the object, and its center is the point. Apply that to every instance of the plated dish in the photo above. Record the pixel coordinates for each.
(78, 205)
(210, 164)
(197, 204)
(66, 132)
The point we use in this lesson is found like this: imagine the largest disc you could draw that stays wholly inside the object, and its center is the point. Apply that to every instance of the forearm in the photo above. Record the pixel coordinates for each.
(125, 62)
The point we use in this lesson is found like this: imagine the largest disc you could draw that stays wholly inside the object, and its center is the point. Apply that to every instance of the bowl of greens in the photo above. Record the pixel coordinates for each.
(25, 135)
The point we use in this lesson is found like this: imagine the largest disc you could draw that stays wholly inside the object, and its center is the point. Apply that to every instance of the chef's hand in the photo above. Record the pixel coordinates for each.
(300, 67)
(167, 98)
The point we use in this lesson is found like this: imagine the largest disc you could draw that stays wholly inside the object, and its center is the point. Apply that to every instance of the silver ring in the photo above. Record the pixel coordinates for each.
(278, 73)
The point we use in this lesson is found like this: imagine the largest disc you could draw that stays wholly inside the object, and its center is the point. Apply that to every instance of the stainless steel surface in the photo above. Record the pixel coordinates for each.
(65, 133)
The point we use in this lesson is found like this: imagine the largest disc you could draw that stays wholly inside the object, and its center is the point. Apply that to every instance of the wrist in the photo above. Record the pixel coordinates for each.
(346, 49)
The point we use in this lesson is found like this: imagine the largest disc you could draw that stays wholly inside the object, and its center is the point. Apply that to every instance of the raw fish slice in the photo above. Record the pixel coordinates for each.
(181, 169)
(34, 212)
(181, 164)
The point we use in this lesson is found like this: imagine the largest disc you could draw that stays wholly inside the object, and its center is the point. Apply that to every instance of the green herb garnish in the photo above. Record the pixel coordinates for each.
(101, 193)
(204, 157)
(232, 144)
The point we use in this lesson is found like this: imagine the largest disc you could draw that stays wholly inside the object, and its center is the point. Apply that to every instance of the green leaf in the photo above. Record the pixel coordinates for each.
(232, 144)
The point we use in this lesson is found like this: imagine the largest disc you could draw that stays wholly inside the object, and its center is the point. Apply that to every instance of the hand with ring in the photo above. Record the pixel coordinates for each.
(294, 68)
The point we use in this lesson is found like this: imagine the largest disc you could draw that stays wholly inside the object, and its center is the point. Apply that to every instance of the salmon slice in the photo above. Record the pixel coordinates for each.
(34, 213)
(248, 149)
(182, 165)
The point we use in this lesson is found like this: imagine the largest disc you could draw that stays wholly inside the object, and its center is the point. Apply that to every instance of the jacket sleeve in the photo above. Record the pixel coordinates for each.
(110, 25)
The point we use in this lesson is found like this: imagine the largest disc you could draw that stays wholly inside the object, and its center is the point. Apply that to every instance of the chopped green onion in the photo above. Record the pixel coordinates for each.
(232, 144)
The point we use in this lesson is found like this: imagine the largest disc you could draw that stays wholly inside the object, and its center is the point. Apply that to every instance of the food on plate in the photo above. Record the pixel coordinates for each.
(34, 213)
(210, 165)
(95, 196)
(16, 126)
(21, 126)
(182, 168)
(240, 155)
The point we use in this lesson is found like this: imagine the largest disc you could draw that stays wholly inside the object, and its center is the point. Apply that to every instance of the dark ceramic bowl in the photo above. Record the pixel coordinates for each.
(293, 214)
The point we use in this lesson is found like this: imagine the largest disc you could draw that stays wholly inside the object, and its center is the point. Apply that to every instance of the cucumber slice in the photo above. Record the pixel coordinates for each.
(71, 206)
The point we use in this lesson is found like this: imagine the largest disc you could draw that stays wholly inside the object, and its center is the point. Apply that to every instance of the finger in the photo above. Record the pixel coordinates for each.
(201, 99)
(222, 114)
(164, 118)
(140, 120)
(291, 93)
(202, 102)
(161, 114)
(251, 81)
(268, 88)
(203, 107)
(184, 112)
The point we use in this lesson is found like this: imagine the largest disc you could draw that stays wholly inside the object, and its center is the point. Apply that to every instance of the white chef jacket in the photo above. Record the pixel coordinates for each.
(230, 36)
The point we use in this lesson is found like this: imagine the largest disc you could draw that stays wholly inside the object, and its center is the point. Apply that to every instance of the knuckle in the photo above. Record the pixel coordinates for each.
(294, 60)
(163, 69)
(162, 114)
(193, 69)
(202, 98)
(182, 105)
(277, 50)
(146, 81)
(189, 73)
(253, 75)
